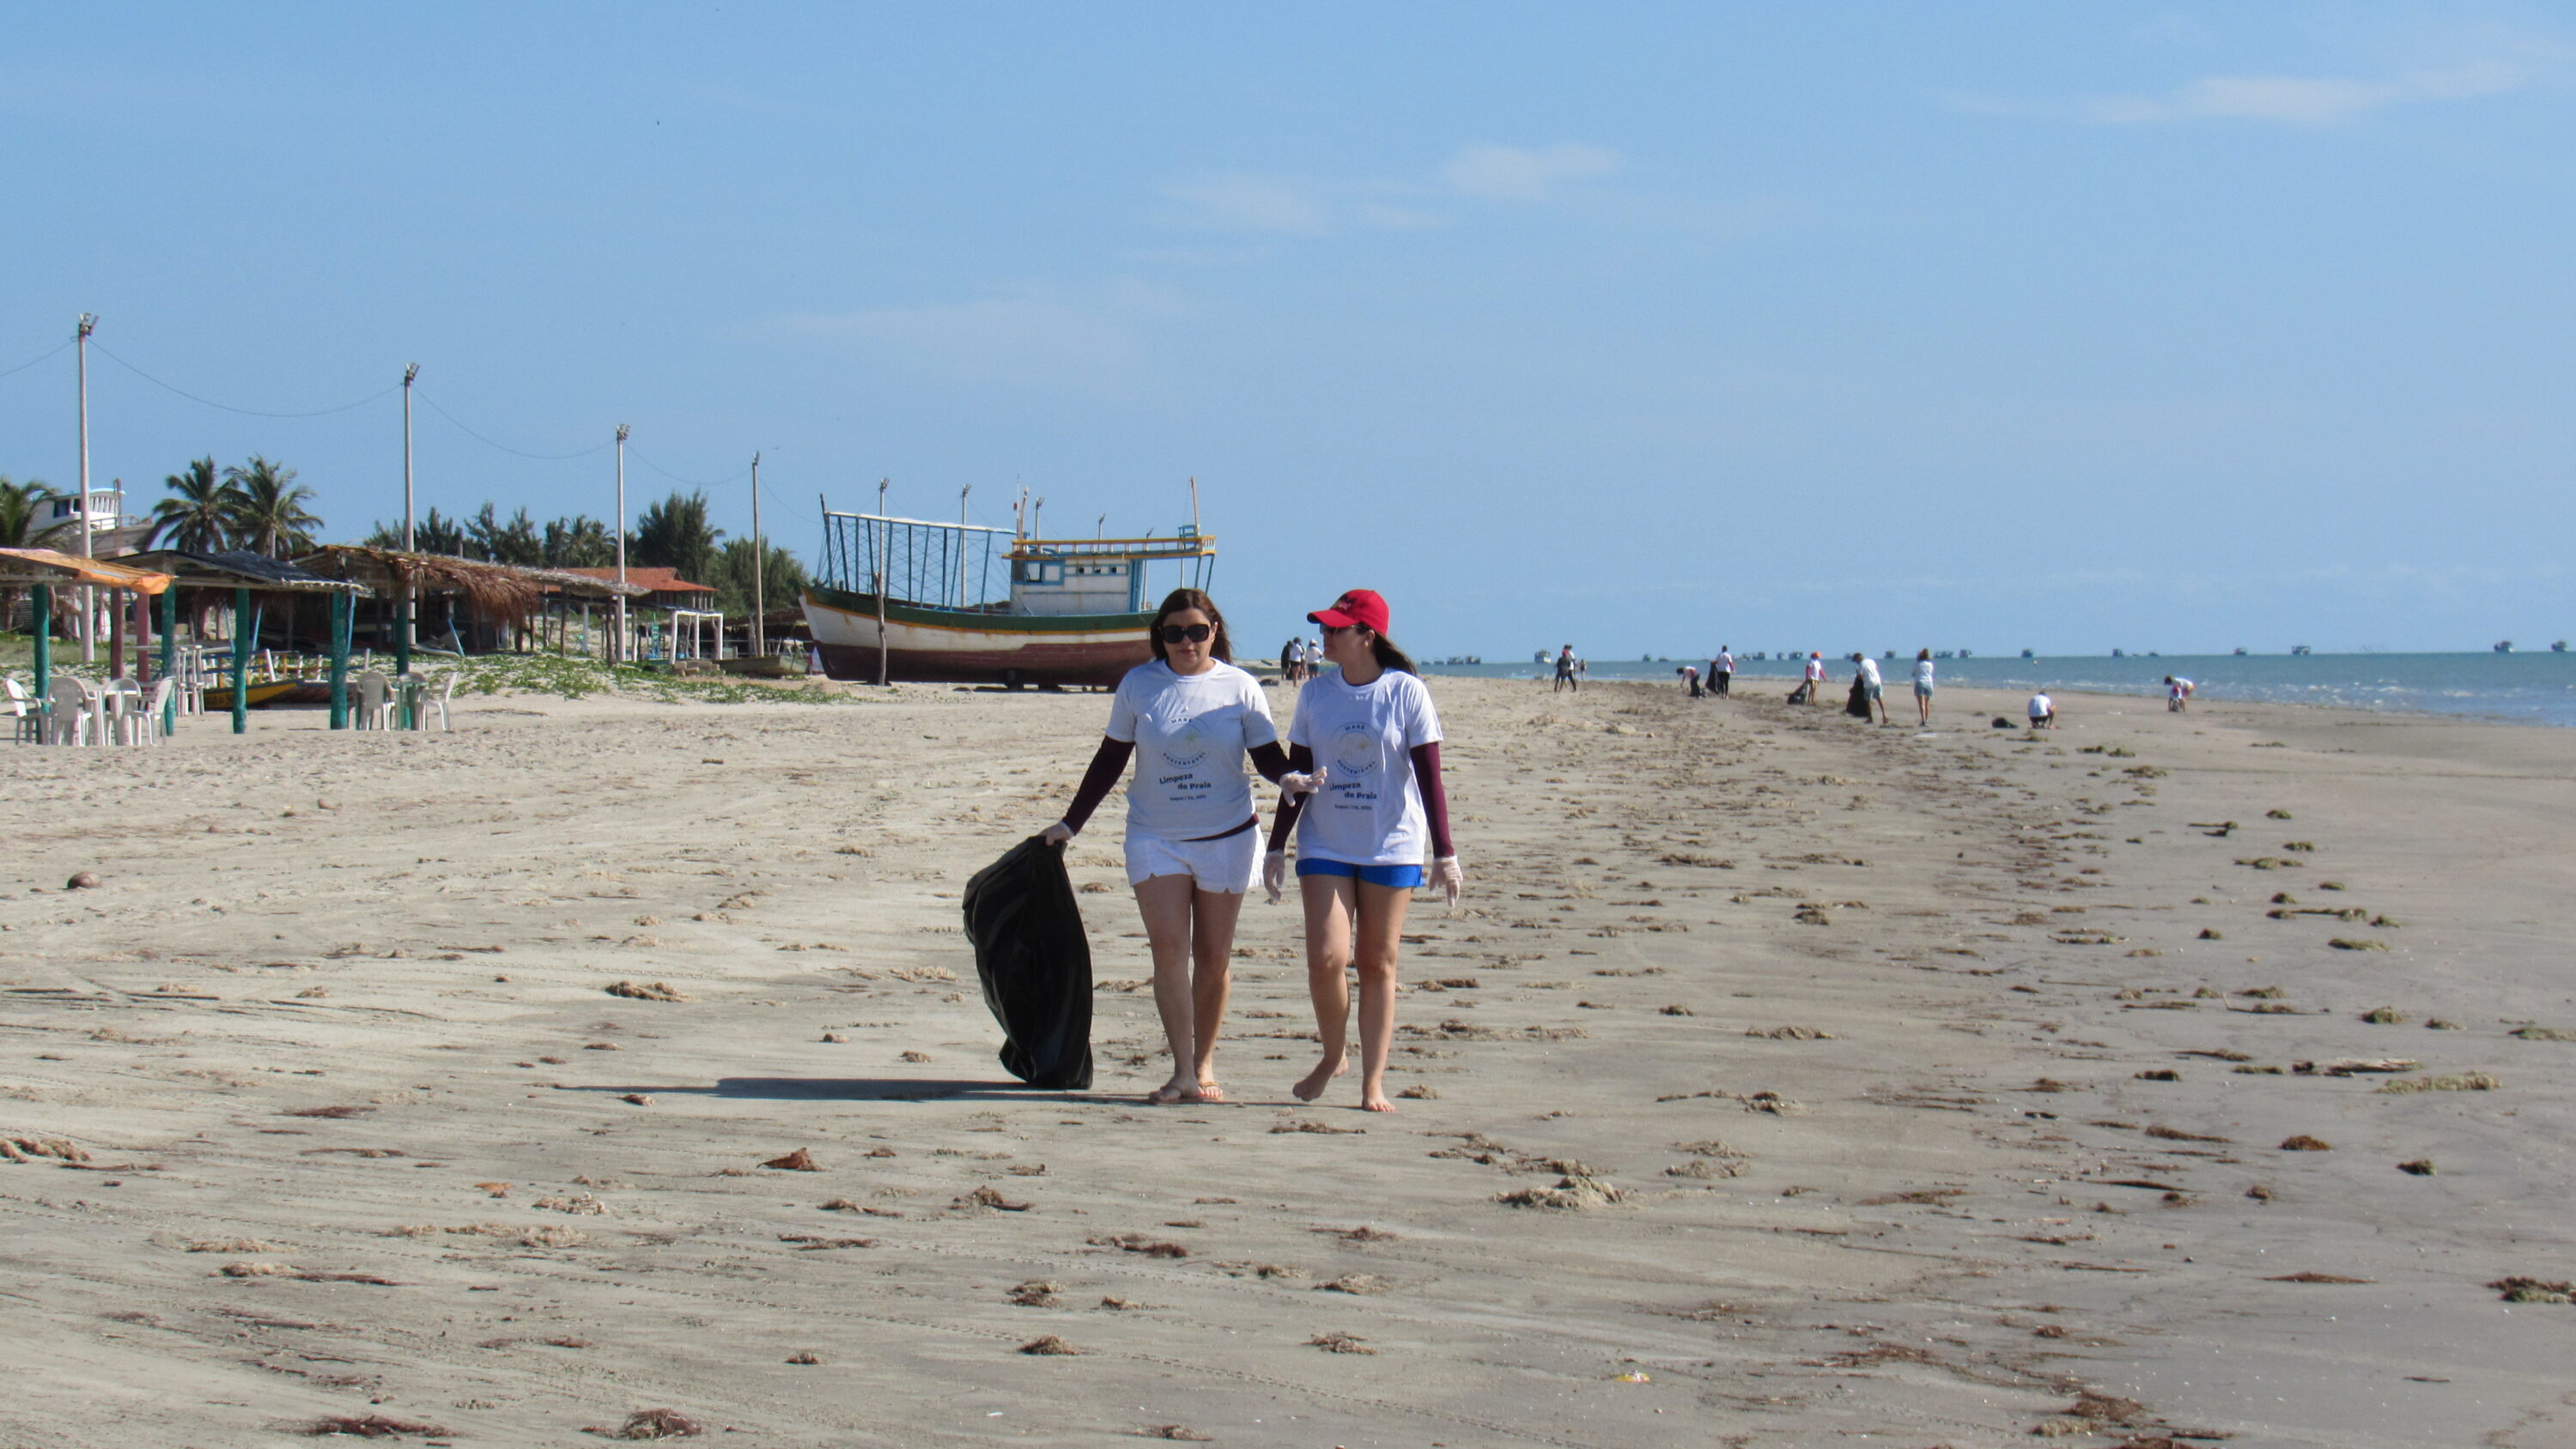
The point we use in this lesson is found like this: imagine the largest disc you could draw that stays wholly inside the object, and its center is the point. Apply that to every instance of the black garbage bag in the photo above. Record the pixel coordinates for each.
(1858, 703)
(1035, 964)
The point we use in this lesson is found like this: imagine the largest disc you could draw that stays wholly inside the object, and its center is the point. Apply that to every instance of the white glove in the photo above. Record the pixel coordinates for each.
(1056, 834)
(1446, 875)
(1274, 873)
(1295, 783)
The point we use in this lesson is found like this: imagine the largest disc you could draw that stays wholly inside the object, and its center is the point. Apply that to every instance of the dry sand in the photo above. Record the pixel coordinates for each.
(1786, 1082)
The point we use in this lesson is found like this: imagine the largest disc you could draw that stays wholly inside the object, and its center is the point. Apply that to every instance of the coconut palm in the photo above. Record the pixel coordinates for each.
(675, 534)
(269, 514)
(24, 523)
(579, 542)
(198, 515)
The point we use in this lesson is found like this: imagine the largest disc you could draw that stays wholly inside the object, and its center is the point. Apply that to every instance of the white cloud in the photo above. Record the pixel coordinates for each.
(1254, 203)
(2283, 99)
(1521, 173)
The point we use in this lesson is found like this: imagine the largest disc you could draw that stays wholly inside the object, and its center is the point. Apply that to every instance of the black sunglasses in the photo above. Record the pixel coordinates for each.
(1195, 633)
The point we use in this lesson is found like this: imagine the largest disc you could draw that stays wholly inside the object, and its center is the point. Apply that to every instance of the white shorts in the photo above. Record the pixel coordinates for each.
(1227, 865)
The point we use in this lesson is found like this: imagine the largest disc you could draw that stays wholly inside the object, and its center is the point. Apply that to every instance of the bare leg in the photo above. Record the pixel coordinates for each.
(1164, 901)
(1211, 977)
(1329, 900)
(1381, 929)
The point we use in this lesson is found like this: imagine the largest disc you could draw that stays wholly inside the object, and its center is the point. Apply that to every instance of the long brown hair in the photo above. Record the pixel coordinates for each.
(1390, 655)
(1219, 646)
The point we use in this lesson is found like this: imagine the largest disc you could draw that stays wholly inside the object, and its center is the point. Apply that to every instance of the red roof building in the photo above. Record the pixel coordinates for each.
(669, 590)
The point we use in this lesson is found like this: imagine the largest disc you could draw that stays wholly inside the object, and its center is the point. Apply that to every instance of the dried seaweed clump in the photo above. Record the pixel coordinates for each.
(2535, 1290)
(649, 991)
(2447, 1082)
(652, 1424)
(371, 1426)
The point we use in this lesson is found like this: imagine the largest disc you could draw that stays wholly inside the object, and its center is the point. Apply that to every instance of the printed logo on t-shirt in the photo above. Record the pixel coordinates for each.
(1354, 750)
(1188, 749)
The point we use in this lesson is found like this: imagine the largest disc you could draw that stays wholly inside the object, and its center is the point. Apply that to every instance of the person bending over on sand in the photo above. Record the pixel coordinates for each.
(1873, 689)
(2043, 711)
(1690, 677)
(1193, 841)
(1923, 687)
(2177, 693)
(1377, 803)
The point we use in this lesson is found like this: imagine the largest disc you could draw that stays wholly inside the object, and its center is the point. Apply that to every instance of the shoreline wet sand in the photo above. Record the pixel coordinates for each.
(1782, 1080)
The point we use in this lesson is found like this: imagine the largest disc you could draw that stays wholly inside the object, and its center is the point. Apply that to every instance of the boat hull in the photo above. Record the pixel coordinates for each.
(219, 699)
(947, 646)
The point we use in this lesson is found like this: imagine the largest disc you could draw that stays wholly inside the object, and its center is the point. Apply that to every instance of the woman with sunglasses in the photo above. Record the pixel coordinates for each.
(1189, 718)
(1378, 803)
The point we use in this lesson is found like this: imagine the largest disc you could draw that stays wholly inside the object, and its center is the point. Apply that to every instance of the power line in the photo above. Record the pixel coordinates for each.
(504, 447)
(22, 367)
(637, 454)
(227, 407)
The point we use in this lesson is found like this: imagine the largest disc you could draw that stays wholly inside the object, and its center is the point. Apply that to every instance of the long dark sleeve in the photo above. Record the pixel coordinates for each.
(1435, 796)
(1107, 765)
(1270, 761)
(1301, 759)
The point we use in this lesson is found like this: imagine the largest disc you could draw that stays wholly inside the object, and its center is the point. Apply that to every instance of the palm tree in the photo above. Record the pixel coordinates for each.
(23, 524)
(198, 516)
(578, 542)
(270, 515)
(675, 534)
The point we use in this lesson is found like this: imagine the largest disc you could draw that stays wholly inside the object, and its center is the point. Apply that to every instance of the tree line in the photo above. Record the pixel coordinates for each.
(258, 505)
(675, 533)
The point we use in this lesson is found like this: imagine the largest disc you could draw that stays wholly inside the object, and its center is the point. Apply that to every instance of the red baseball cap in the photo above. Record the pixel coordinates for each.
(1360, 606)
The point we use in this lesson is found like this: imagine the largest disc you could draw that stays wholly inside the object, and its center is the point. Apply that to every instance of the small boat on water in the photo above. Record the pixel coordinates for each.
(920, 601)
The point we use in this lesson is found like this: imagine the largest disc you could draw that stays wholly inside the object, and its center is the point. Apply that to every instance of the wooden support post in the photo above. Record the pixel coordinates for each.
(142, 606)
(42, 598)
(242, 628)
(340, 613)
(116, 634)
(170, 656)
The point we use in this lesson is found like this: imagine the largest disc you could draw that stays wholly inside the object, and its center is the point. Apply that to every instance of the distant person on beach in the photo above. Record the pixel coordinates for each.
(1292, 660)
(1566, 672)
(1193, 840)
(1721, 671)
(1923, 687)
(1377, 806)
(2043, 712)
(1873, 689)
(1815, 676)
(2177, 693)
(1690, 676)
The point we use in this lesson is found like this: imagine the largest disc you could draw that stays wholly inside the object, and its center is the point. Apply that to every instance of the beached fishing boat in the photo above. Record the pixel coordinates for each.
(220, 698)
(906, 599)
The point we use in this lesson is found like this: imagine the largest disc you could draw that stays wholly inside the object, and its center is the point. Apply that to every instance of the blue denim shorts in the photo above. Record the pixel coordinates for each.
(1397, 877)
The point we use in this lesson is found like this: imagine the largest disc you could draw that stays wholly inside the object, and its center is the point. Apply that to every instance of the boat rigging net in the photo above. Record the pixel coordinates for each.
(925, 564)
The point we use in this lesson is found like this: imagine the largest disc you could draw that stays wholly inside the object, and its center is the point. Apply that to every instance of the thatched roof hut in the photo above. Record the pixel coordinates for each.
(496, 594)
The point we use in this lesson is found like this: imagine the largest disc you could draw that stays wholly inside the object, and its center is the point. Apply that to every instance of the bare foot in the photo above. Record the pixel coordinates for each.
(1312, 1085)
(1375, 1101)
(1175, 1090)
(1209, 1091)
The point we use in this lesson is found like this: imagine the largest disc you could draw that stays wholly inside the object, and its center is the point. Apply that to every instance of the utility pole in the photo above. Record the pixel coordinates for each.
(89, 603)
(618, 646)
(410, 607)
(883, 646)
(759, 601)
(961, 544)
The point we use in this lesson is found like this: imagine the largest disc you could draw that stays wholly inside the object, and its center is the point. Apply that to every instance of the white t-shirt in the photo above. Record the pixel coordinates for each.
(1370, 810)
(1923, 673)
(2040, 706)
(1191, 733)
(1725, 662)
(1815, 669)
(1869, 670)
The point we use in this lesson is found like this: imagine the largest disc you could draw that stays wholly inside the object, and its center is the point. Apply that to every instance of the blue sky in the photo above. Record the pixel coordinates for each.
(1648, 327)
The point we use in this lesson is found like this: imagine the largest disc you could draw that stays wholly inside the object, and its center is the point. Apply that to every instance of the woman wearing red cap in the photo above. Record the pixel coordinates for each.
(1377, 806)
(1191, 717)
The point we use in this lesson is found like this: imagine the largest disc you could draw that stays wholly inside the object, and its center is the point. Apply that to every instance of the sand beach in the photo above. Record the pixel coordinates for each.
(1781, 1081)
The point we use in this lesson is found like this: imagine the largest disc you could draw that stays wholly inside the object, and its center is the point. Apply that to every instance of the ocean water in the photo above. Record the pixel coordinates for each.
(2525, 688)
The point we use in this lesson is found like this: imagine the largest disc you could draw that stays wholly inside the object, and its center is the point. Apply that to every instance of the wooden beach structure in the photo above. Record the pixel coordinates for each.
(40, 571)
(475, 606)
(907, 599)
(251, 579)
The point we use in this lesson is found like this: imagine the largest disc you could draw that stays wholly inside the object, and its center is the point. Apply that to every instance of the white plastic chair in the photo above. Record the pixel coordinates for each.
(70, 712)
(375, 701)
(446, 681)
(157, 710)
(120, 714)
(27, 720)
